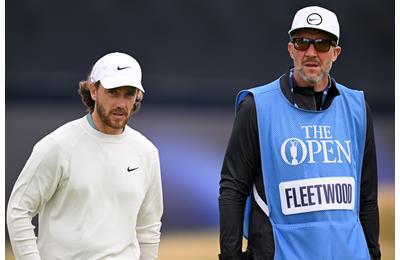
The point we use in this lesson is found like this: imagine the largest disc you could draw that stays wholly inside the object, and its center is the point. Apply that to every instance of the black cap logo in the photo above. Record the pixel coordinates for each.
(314, 19)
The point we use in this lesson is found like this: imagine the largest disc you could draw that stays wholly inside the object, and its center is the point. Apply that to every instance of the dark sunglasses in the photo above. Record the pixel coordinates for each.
(321, 45)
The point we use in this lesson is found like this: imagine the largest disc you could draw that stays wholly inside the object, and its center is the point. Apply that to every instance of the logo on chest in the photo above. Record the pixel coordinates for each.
(131, 169)
(317, 145)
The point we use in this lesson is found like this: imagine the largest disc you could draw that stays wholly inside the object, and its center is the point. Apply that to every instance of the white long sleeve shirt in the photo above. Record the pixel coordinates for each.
(98, 196)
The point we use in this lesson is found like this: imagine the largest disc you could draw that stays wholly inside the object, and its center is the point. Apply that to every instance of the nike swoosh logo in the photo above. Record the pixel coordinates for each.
(315, 19)
(122, 68)
(129, 169)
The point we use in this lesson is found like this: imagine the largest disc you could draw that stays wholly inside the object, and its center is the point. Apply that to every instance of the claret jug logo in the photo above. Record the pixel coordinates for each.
(318, 145)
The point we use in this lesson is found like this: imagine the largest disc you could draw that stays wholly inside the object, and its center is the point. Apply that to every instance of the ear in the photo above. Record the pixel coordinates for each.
(93, 90)
(336, 53)
(290, 50)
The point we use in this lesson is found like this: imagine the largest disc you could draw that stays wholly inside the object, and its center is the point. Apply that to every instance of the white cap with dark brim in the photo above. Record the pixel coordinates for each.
(316, 17)
(117, 70)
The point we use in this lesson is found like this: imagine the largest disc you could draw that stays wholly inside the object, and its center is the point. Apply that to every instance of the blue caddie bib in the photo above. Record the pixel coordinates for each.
(311, 166)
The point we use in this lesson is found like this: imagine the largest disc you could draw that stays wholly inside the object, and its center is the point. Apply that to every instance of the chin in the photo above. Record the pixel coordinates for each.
(119, 125)
(310, 79)
(312, 73)
(315, 77)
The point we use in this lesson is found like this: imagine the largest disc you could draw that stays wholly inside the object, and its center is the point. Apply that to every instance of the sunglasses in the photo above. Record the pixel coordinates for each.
(321, 45)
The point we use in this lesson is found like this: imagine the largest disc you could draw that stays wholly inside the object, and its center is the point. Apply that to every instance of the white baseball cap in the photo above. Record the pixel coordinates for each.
(317, 18)
(116, 70)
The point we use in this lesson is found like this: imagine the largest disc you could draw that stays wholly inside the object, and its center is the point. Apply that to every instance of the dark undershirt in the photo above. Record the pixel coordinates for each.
(242, 167)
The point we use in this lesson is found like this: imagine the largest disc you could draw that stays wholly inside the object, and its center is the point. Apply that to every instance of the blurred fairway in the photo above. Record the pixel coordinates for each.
(204, 245)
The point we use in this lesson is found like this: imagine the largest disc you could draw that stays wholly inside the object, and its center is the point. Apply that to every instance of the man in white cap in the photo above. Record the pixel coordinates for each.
(299, 178)
(95, 182)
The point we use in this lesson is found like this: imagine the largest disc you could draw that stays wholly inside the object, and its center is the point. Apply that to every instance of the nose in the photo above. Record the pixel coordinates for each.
(121, 101)
(311, 51)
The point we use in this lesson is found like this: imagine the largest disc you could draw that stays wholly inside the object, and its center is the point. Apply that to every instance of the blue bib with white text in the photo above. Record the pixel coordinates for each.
(311, 165)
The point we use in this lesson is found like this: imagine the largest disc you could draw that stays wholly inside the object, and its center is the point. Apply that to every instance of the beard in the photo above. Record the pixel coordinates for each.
(314, 79)
(106, 117)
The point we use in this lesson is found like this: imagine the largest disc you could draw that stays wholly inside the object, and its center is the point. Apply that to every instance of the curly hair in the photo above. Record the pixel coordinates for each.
(89, 103)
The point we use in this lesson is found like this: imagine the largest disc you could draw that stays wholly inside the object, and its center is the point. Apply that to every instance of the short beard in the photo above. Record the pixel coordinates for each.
(101, 111)
(311, 81)
(314, 81)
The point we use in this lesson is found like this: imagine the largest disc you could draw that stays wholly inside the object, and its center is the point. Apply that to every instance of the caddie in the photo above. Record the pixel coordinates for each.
(299, 177)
